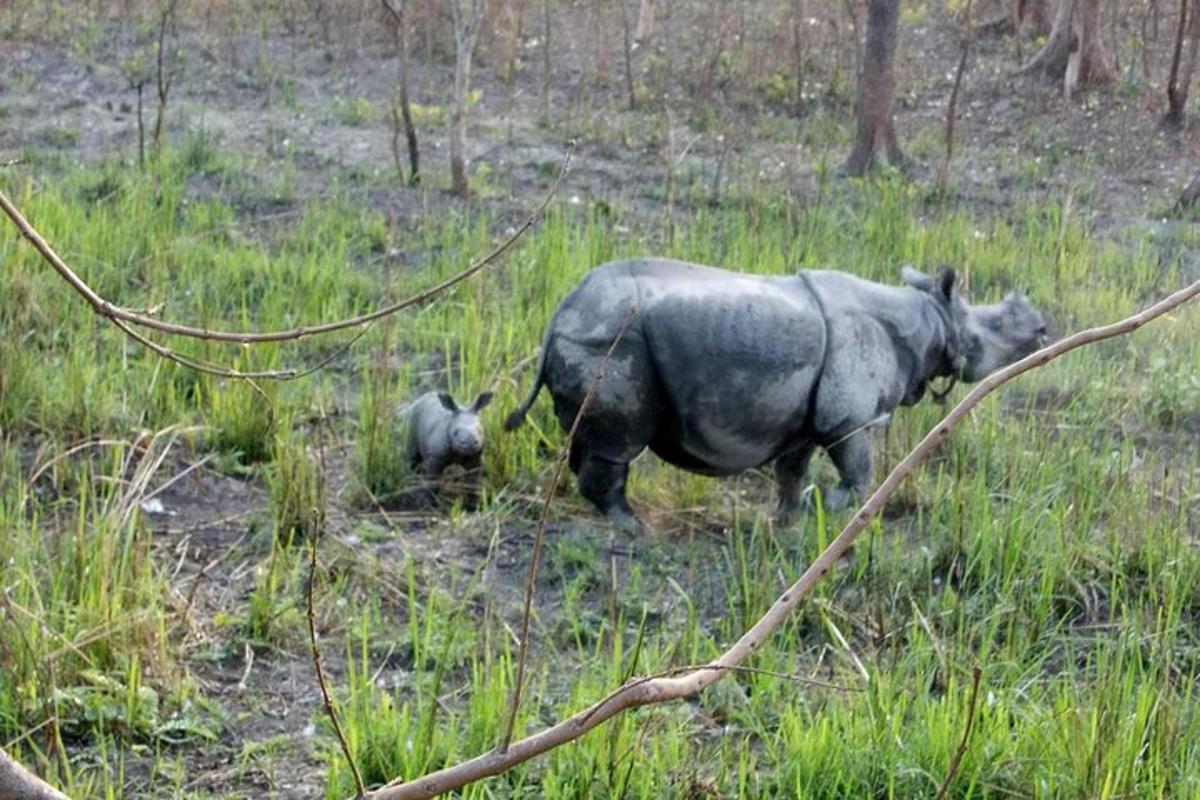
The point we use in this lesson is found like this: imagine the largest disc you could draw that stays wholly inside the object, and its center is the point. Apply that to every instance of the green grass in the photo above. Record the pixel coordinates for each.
(1050, 541)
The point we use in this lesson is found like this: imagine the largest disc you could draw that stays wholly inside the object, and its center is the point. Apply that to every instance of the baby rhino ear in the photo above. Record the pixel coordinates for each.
(482, 401)
(447, 401)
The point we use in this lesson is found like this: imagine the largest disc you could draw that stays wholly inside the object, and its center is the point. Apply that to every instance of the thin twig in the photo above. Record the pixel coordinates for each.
(660, 690)
(227, 372)
(107, 309)
(976, 674)
(360, 789)
(523, 649)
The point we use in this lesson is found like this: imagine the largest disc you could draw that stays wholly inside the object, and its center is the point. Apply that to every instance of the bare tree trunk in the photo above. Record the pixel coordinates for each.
(165, 76)
(141, 87)
(546, 31)
(397, 9)
(952, 107)
(799, 13)
(1182, 65)
(876, 130)
(1074, 51)
(645, 22)
(467, 21)
(627, 36)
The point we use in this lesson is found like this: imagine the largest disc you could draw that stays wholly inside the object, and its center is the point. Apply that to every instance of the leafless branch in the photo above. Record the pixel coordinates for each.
(642, 692)
(18, 783)
(327, 701)
(107, 309)
(523, 648)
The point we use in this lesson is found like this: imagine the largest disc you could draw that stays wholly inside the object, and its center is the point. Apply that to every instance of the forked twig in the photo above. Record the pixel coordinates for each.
(952, 770)
(523, 647)
(659, 690)
(107, 309)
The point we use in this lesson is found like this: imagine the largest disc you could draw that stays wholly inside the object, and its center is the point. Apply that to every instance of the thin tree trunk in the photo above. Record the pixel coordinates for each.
(397, 9)
(627, 36)
(164, 74)
(466, 31)
(876, 130)
(799, 12)
(141, 87)
(1183, 64)
(645, 22)
(546, 31)
(952, 107)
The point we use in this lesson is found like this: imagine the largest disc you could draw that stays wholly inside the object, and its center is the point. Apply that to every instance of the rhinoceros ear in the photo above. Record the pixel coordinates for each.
(481, 401)
(447, 401)
(945, 280)
(916, 279)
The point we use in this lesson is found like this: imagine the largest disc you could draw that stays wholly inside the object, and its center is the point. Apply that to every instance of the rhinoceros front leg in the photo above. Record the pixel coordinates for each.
(431, 473)
(473, 478)
(790, 471)
(852, 457)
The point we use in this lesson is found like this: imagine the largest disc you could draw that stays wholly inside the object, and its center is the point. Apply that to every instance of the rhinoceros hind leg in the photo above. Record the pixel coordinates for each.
(852, 458)
(603, 482)
(790, 471)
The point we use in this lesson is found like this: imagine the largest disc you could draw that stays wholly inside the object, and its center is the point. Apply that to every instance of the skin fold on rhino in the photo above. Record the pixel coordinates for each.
(722, 371)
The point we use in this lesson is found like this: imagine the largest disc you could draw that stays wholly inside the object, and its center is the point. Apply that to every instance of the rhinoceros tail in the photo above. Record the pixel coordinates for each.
(514, 420)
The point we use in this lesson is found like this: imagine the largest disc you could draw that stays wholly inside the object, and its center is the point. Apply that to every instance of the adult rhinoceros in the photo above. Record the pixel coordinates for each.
(718, 371)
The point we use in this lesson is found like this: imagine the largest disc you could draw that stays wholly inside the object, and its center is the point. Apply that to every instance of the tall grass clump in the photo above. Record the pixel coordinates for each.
(381, 462)
(84, 616)
(296, 481)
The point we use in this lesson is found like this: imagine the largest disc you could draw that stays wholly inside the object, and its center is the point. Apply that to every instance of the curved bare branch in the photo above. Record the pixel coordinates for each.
(106, 308)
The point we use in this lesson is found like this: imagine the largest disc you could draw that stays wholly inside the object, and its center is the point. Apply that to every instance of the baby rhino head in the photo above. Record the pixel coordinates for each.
(465, 433)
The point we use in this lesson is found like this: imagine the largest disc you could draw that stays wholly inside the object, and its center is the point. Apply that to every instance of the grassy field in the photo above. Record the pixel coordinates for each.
(1052, 542)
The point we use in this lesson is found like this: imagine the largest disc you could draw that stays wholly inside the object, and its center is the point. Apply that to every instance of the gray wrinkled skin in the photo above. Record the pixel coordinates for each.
(721, 371)
(442, 433)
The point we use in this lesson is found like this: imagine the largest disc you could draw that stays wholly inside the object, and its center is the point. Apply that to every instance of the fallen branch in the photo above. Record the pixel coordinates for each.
(641, 692)
(108, 310)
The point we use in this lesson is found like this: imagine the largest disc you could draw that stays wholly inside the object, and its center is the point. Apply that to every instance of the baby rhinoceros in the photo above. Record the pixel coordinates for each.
(442, 433)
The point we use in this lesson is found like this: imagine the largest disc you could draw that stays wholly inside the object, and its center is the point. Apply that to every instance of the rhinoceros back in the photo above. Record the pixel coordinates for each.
(717, 368)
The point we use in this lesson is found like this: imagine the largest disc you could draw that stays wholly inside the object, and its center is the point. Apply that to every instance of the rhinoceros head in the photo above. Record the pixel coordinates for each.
(465, 431)
(983, 338)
